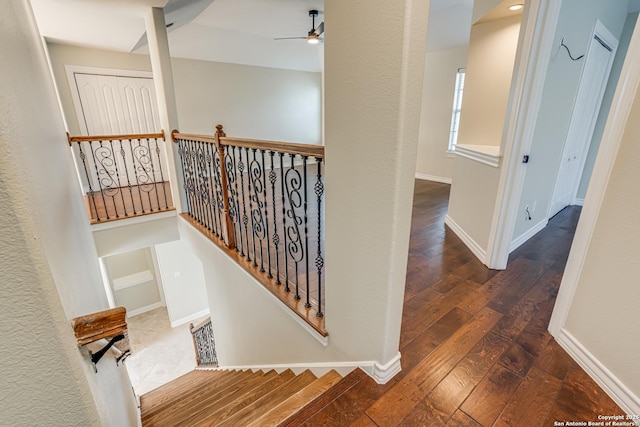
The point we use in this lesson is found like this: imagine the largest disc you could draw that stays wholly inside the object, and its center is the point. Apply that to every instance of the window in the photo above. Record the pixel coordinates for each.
(457, 106)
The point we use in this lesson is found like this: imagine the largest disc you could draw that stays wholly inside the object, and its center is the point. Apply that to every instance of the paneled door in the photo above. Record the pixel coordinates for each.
(593, 82)
(116, 105)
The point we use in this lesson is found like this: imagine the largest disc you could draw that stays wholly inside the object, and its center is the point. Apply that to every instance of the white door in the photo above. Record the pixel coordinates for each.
(599, 59)
(116, 105)
(113, 105)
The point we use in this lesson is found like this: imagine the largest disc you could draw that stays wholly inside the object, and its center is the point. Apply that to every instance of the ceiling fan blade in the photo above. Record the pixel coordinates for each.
(290, 38)
(320, 29)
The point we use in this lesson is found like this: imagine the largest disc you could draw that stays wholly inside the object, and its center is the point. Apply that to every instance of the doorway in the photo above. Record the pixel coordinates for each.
(593, 82)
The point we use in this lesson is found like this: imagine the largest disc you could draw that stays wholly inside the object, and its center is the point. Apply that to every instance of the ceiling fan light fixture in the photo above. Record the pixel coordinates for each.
(313, 39)
(515, 7)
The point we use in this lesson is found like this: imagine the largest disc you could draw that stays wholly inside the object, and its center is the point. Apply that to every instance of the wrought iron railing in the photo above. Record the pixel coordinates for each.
(262, 201)
(204, 344)
(122, 175)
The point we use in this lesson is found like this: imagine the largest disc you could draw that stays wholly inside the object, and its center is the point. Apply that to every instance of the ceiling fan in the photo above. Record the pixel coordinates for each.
(313, 37)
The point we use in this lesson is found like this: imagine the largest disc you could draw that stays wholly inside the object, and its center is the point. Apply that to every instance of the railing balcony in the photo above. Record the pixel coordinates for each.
(123, 176)
(262, 201)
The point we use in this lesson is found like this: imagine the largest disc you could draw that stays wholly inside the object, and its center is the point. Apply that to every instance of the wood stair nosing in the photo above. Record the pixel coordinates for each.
(185, 402)
(159, 396)
(271, 399)
(214, 418)
(204, 409)
(312, 408)
(289, 407)
(187, 390)
(189, 378)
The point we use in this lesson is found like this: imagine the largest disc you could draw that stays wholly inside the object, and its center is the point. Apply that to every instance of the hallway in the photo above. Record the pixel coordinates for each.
(474, 342)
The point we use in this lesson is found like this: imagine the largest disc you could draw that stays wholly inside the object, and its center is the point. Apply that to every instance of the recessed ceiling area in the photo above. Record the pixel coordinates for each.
(235, 31)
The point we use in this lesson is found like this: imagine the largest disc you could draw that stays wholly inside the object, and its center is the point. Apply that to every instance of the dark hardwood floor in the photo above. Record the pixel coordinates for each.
(474, 342)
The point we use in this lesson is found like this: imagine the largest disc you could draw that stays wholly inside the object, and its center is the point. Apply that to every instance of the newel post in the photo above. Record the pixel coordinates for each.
(228, 222)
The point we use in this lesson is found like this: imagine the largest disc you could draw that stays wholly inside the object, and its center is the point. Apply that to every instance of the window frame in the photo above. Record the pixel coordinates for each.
(456, 110)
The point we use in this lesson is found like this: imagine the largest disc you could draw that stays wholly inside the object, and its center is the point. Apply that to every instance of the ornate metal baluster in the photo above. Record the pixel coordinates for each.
(181, 152)
(306, 229)
(284, 227)
(252, 198)
(257, 189)
(94, 155)
(276, 237)
(319, 189)
(83, 157)
(212, 189)
(144, 177)
(190, 178)
(126, 170)
(203, 185)
(293, 183)
(141, 160)
(135, 174)
(164, 189)
(245, 218)
(266, 216)
(184, 149)
(199, 190)
(218, 185)
(114, 189)
(153, 174)
(198, 181)
(232, 189)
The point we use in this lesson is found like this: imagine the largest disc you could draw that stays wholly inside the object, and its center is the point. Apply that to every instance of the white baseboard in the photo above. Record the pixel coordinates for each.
(519, 241)
(380, 373)
(383, 373)
(186, 319)
(477, 250)
(619, 392)
(578, 202)
(145, 309)
(440, 179)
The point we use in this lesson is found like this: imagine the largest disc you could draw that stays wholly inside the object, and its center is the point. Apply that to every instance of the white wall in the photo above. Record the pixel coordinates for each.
(492, 53)
(472, 199)
(251, 102)
(183, 282)
(435, 116)
(576, 23)
(137, 296)
(603, 316)
(616, 68)
(49, 267)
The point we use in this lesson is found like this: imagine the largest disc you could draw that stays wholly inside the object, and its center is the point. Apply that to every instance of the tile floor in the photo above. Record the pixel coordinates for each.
(160, 353)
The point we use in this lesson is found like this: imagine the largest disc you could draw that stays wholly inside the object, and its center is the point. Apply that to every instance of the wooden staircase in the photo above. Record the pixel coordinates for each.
(234, 398)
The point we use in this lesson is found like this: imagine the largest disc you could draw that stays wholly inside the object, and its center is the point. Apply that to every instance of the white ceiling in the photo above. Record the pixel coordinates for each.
(236, 31)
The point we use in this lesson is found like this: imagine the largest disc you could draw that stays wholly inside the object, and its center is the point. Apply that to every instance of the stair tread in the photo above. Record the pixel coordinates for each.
(271, 399)
(186, 381)
(236, 391)
(174, 394)
(187, 402)
(287, 408)
(214, 418)
(315, 406)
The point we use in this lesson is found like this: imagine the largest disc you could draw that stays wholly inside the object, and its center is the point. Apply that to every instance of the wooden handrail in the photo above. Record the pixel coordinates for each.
(175, 135)
(276, 146)
(89, 138)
